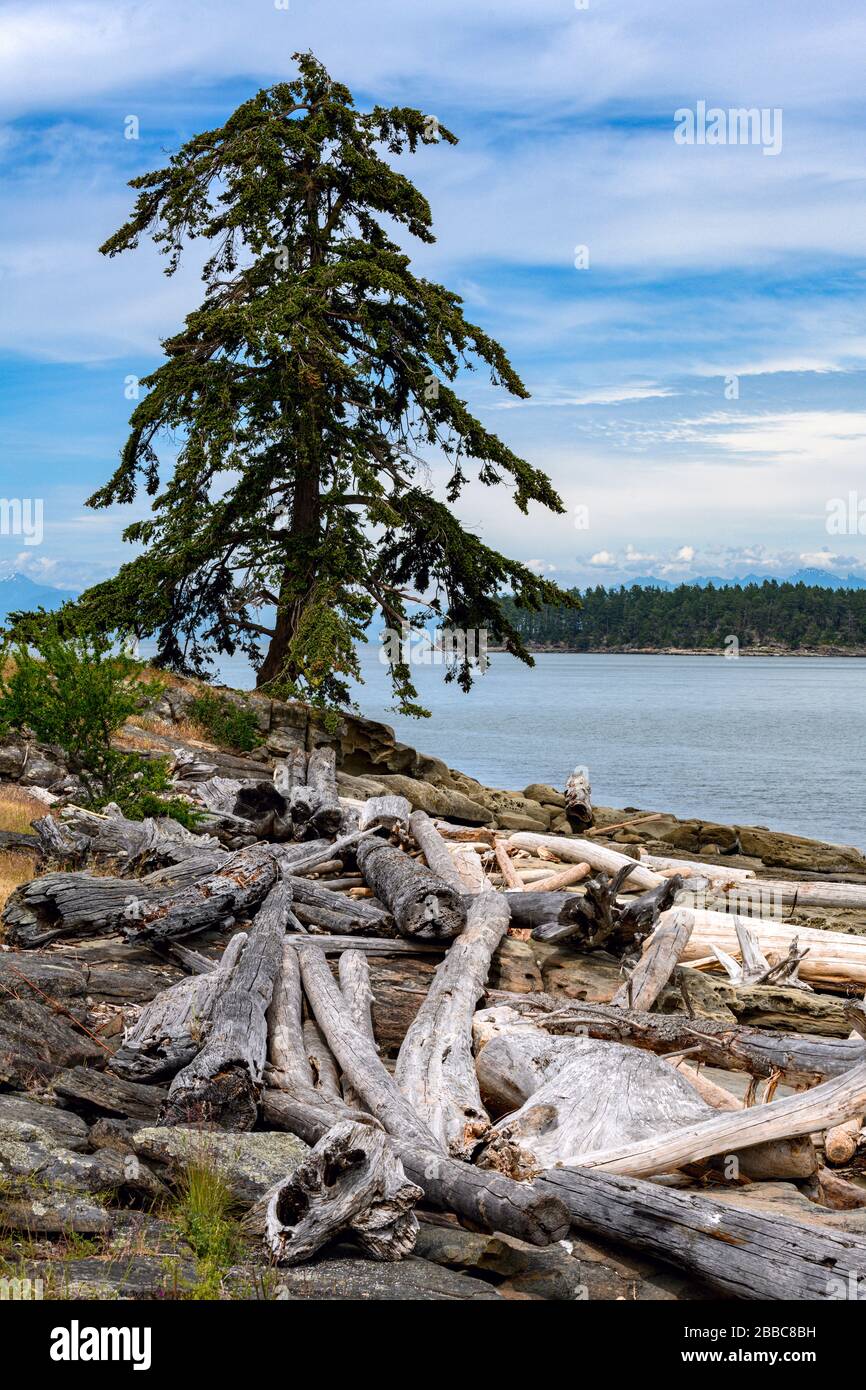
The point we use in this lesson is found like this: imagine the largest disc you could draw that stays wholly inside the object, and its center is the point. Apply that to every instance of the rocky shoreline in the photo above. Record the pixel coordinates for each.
(805, 652)
(85, 1171)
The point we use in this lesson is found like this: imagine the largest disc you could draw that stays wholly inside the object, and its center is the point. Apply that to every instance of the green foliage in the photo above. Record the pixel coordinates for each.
(204, 1216)
(305, 391)
(788, 615)
(229, 724)
(77, 692)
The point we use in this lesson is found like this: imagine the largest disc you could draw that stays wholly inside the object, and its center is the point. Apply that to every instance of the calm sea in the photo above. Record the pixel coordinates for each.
(775, 741)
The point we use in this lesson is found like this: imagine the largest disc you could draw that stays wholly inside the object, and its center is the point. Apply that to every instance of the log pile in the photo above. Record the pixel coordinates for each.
(321, 968)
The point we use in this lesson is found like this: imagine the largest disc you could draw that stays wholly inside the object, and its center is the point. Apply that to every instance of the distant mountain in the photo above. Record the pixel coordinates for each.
(20, 593)
(817, 578)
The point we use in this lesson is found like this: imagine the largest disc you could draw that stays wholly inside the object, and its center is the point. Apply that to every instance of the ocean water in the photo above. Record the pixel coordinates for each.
(774, 741)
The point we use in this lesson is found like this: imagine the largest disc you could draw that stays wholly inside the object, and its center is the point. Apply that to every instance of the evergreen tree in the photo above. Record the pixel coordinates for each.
(309, 392)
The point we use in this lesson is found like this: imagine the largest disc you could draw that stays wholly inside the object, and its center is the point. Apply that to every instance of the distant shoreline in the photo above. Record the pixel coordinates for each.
(540, 648)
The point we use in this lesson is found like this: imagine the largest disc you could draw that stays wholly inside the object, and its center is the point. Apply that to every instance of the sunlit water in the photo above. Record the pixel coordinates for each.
(773, 741)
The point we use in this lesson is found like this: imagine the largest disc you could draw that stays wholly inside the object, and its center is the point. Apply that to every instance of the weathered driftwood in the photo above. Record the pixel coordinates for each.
(352, 1183)
(755, 968)
(746, 1254)
(720, 874)
(842, 1141)
(804, 1113)
(321, 1061)
(488, 1201)
(171, 1029)
(222, 1082)
(290, 772)
(575, 873)
(834, 957)
(421, 902)
(796, 1059)
(357, 1056)
(656, 965)
(598, 920)
(506, 867)
(109, 835)
(288, 1067)
(237, 885)
(353, 973)
(435, 850)
(262, 805)
(333, 944)
(315, 805)
(573, 1095)
(578, 799)
(385, 813)
(573, 851)
(317, 905)
(435, 1068)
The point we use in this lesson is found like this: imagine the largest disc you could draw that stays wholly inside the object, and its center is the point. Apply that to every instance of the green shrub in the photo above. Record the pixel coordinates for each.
(205, 1217)
(229, 724)
(77, 692)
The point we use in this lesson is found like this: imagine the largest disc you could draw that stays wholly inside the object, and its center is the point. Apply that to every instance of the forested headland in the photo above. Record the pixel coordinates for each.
(793, 617)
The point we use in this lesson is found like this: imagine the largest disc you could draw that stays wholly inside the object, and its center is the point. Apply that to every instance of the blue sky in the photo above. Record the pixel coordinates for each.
(706, 262)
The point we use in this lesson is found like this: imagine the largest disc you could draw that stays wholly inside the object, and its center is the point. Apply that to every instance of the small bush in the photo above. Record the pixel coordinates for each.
(77, 692)
(228, 724)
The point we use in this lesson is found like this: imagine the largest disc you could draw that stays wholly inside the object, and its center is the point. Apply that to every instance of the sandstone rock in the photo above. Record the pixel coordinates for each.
(547, 795)
(436, 801)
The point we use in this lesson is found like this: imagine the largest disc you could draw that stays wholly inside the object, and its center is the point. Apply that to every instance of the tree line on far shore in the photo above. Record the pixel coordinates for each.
(793, 616)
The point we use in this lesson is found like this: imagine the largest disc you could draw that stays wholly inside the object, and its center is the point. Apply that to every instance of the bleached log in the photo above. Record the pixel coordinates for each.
(435, 850)
(506, 867)
(111, 836)
(435, 1068)
(315, 806)
(385, 813)
(357, 1056)
(288, 1066)
(222, 1083)
(353, 973)
(573, 851)
(326, 1073)
(470, 870)
(317, 905)
(578, 799)
(290, 772)
(796, 1059)
(656, 965)
(834, 957)
(804, 1113)
(422, 903)
(690, 868)
(171, 1029)
(351, 1184)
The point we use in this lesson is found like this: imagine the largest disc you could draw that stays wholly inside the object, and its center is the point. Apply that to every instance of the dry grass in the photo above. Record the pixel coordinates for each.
(186, 729)
(15, 868)
(18, 808)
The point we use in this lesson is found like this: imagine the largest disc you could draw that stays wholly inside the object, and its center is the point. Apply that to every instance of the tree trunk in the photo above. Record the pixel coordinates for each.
(302, 539)
(422, 903)
(221, 1085)
(351, 1183)
(743, 1253)
(435, 1067)
(357, 1055)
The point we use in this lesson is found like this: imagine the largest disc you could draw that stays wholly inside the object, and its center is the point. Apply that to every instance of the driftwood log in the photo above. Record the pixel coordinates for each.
(574, 1095)
(435, 1068)
(435, 849)
(352, 1184)
(421, 902)
(222, 1083)
(597, 920)
(574, 851)
(171, 1029)
(385, 813)
(833, 958)
(796, 1059)
(315, 805)
(487, 1201)
(353, 973)
(745, 1254)
(578, 800)
(356, 1054)
(656, 965)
